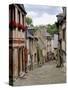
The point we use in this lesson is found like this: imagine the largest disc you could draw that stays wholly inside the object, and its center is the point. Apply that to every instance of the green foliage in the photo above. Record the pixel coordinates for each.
(34, 30)
(29, 20)
(52, 29)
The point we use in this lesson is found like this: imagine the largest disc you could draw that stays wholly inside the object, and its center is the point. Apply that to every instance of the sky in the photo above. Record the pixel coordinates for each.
(42, 14)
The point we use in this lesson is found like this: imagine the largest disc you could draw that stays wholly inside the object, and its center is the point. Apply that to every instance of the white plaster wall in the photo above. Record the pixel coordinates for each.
(63, 45)
(55, 41)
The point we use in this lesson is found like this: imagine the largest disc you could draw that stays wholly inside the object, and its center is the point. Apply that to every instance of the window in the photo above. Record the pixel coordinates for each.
(18, 17)
(23, 19)
(12, 13)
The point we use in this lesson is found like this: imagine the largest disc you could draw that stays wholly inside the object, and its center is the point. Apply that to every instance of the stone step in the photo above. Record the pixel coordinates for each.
(22, 74)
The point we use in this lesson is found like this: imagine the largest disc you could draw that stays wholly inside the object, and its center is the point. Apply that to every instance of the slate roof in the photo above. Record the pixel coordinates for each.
(29, 35)
(21, 6)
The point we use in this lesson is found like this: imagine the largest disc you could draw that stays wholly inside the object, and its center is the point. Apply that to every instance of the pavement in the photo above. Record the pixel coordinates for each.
(47, 74)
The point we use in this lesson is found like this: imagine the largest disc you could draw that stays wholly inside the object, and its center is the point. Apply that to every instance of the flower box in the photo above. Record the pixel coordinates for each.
(12, 24)
(19, 26)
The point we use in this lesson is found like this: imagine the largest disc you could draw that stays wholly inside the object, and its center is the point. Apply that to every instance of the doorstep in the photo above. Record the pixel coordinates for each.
(22, 74)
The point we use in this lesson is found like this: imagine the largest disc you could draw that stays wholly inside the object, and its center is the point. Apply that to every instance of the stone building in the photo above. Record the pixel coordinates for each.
(40, 52)
(35, 55)
(61, 26)
(32, 49)
(29, 38)
(41, 45)
(48, 45)
(55, 46)
(17, 41)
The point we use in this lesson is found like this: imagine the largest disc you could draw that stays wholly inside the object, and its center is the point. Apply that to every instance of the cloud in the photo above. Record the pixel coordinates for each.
(43, 8)
(32, 14)
(45, 19)
(42, 14)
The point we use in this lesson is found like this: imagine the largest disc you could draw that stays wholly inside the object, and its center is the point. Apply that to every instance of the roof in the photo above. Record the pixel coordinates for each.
(29, 35)
(61, 16)
(21, 6)
(30, 30)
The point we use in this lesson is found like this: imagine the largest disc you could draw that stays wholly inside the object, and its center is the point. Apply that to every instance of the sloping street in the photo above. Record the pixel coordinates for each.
(37, 50)
(47, 74)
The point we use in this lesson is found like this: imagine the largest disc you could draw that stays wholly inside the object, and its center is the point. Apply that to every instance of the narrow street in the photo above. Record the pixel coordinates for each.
(47, 74)
(37, 46)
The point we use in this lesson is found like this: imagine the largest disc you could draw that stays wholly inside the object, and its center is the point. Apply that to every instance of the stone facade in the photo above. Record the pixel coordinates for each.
(32, 49)
(48, 45)
(41, 50)
(61, 26)
(17, 41)
(55, 46)
(35, 60)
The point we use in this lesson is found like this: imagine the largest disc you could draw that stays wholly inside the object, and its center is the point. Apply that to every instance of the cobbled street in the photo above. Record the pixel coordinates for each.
(47, 74)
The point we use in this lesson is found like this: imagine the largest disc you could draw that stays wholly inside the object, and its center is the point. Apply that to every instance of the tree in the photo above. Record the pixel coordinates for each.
(29, 21)
(52, 29)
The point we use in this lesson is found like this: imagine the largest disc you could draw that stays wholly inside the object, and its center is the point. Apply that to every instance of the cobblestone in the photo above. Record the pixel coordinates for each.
(47, 74)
